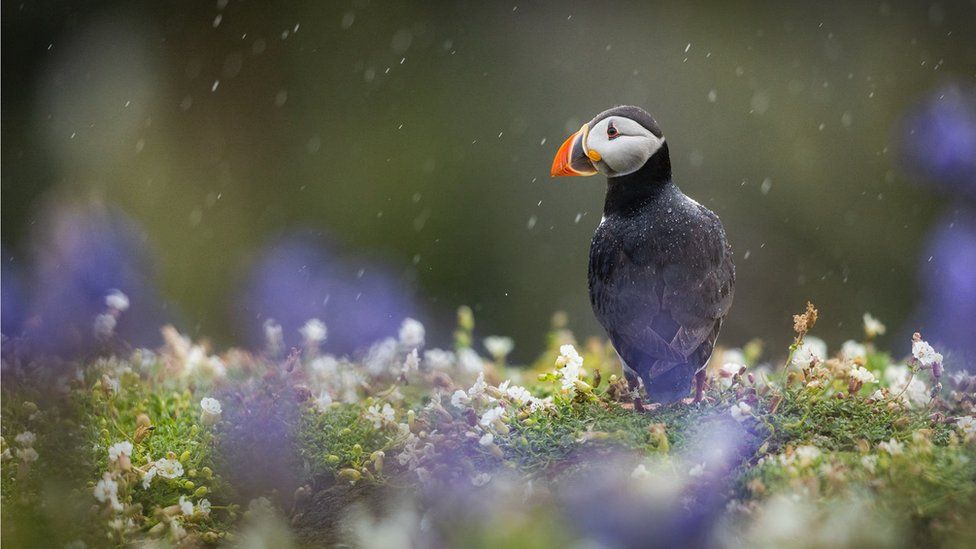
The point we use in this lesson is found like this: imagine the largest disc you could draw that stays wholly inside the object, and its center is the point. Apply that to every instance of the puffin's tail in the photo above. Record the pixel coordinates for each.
(671, 385)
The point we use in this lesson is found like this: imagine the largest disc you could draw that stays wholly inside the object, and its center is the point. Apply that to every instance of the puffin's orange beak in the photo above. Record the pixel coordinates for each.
(571, 159)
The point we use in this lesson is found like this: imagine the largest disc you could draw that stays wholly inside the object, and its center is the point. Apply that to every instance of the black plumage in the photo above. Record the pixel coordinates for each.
(661, 275)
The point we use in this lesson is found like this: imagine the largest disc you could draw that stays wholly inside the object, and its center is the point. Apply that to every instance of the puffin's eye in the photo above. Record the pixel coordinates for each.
(612, 131)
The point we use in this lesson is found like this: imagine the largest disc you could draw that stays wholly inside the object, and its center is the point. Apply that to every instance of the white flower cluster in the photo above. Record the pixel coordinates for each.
(862, 374)
(211, 411)
(26, 452)
(967, 424)
(314, 333)
(872, 326)
(165, 468)
(893, 447)
(852, 350)
(187, 508)
(107, 491)
(741, 411)
(925, 354)
(499, 347)
(900, 380)
(105, 323)
(727, 372)
(120, 450)
(190, 359)
(812, 352)
(412, 334)
(571, 368)
(381, 417)
(334, 379)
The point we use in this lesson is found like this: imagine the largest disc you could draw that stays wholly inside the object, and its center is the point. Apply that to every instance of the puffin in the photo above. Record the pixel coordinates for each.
(661, 276)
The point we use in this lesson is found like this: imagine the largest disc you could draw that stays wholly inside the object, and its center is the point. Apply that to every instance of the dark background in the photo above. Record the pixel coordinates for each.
(363, 161)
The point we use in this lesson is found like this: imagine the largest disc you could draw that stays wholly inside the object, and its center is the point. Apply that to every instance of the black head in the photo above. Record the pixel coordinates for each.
(617, 142)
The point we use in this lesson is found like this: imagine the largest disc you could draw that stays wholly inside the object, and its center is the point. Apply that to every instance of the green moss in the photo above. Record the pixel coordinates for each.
(337, 439)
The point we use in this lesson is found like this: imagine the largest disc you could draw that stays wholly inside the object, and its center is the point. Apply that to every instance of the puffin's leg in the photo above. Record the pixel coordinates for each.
(633, 383)
(699, 385)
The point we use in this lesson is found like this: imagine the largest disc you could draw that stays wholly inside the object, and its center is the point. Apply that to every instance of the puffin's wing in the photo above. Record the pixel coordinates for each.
(626, 296)
(698, 291)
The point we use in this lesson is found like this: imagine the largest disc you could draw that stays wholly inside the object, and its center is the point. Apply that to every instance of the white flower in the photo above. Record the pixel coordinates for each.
(806, 454)
(186, 506)
(210, 406)
(488, 439)
(314, 332)
(863, 375)
(872, 326)
(381, 357)
(324, 401)
(211, 411)
(412, 334)
(925, 354)
(438, 359)
(897, 376)
(741, 411)
(481, 479)
(499, 347)
(967, 424)
(27, 454)
(119, 449)
(412, 362)
(851, 350)
(492, 415)
(203, 506)
(697, 471)
(148, 477)
(640, 472)
(537, 404)
(380, 417)
(104, 326)
(893, 447)
(479, 386)
(460, 399)
(812, 351)
(26, 438)
(169, 468)
(107, 490)
(878, 395)
(735, 356)
(117, 300)
(572, 367)
(518, 394)
(727, 372)
(470, 362)
(274, 335)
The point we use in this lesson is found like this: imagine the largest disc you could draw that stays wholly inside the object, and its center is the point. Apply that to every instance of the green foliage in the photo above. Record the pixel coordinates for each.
(337, 439)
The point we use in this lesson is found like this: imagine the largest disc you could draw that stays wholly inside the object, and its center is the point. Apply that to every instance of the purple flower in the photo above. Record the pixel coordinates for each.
(939, 140)
(948, 275)
(298, 278)
(81, 254)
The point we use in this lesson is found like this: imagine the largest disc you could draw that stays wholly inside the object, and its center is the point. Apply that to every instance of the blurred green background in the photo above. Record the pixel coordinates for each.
(422, 133)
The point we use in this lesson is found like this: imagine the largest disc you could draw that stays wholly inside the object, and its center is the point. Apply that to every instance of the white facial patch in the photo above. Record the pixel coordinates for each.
(625, 149)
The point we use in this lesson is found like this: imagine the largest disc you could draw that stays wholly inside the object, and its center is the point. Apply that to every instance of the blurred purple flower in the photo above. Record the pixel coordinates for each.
(298, 278)
(80, 254)
(948, 273)
(939, 140)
